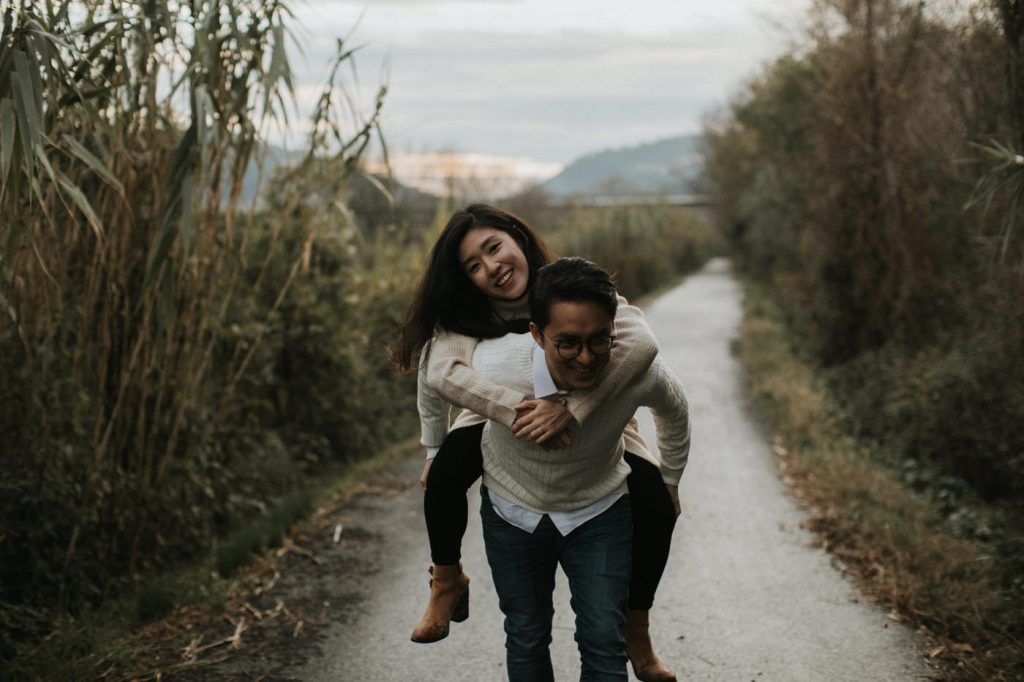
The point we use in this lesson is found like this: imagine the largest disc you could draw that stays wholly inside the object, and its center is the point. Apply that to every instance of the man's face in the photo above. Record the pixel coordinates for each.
(571, 324)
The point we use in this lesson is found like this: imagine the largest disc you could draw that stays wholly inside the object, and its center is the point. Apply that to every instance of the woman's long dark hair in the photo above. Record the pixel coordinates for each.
(447, 297)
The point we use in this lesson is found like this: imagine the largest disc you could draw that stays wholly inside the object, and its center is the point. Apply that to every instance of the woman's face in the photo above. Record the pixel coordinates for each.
(494, 262)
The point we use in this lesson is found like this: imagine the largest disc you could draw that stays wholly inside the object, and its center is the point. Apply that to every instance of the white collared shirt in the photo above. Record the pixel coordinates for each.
(526, 519)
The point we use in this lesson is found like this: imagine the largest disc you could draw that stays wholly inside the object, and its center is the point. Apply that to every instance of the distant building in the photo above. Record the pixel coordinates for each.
(466, 174)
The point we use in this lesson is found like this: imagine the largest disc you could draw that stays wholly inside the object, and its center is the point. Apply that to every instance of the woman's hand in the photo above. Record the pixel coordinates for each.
(545, 422)
(423, 474)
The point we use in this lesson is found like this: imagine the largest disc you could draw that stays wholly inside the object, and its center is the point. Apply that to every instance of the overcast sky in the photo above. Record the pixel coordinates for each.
(545, 79)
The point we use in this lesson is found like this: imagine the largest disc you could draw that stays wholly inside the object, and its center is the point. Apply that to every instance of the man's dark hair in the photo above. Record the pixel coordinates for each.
(573, 280)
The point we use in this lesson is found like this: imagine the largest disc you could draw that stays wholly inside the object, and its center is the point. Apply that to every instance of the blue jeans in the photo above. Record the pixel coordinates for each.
(596, 558)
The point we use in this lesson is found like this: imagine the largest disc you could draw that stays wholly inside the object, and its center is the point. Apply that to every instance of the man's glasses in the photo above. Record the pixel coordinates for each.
(598, 345)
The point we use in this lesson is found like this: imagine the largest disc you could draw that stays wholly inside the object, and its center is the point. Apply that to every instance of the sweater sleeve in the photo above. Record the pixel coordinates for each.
(635, 350)
(451, 375)
(434, 412)
(667, 401)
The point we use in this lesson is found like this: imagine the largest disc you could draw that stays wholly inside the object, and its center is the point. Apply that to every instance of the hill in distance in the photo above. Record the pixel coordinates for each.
(666, 166)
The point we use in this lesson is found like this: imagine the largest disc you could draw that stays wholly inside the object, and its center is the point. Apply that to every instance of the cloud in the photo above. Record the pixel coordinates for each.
(493, 78)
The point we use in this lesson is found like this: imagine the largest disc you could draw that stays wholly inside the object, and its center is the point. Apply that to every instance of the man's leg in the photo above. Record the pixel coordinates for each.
(596, 558)
(523, 567)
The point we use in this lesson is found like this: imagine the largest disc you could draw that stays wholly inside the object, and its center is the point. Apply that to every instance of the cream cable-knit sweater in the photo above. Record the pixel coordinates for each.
(447, 366)
(592, 467)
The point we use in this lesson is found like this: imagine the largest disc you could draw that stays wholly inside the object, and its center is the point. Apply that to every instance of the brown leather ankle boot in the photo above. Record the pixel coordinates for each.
(449, 600)
(646, 665)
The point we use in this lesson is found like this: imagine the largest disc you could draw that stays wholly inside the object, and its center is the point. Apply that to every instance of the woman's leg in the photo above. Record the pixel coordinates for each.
(654, 518)
(456, 467)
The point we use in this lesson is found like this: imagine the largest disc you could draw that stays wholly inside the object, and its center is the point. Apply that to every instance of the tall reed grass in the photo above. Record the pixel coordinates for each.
(163, 349)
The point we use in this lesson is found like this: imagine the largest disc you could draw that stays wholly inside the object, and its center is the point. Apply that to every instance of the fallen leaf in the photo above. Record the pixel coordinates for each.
(192, 650)
(236, 639)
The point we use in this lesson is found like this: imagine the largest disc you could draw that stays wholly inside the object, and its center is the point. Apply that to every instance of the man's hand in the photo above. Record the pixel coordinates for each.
(423, 474)
(545, 422)
(673, 492)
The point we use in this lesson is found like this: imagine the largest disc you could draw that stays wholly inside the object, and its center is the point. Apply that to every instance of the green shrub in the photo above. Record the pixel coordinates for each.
(264, 532)
(644, 247)
(154, 600)
(958, 407)
(295, 506)
(238, 549)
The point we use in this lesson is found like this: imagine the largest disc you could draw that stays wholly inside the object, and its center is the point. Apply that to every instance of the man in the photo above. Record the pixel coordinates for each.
(541, 508)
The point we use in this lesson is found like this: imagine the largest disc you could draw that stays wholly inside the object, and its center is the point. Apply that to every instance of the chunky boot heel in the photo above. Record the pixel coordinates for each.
(461, 611)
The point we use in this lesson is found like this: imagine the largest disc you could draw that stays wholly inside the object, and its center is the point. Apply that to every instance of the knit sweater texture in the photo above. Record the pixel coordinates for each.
(592, 467)
(446, 367)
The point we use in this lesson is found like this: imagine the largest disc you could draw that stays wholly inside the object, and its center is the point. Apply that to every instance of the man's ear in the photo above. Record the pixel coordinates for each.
(537, 336)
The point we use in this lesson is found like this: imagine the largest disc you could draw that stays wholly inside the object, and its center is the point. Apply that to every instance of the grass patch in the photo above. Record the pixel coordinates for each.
(155, 599)
(903, 545)
(265, 532)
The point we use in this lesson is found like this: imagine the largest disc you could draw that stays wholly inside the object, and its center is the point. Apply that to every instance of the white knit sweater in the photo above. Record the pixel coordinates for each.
(592, 467)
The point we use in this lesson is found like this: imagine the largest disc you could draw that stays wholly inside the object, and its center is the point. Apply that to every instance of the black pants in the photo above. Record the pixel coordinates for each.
(459, 463)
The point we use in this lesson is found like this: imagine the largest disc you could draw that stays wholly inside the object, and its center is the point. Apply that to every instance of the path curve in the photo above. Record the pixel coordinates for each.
(746, 596)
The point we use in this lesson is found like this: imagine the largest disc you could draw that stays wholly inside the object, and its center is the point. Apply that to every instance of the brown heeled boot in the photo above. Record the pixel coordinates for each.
(646, 665)
(449, 601)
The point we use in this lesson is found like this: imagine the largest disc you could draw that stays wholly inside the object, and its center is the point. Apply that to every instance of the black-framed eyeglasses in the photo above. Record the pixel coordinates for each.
(598, 345)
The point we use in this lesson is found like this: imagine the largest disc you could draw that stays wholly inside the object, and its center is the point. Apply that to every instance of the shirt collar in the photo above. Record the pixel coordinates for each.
(543, 384)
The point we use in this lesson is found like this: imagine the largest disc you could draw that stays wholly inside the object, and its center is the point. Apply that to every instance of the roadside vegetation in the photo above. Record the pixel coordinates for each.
(645, 247)
(896, 528)
(184, 376)
(173, 364)
(870, 183)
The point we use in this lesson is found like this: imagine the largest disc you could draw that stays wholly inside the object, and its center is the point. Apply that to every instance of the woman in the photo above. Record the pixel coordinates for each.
(475, 286)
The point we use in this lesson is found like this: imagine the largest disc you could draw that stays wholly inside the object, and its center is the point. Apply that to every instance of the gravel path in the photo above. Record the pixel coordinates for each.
(746, 596)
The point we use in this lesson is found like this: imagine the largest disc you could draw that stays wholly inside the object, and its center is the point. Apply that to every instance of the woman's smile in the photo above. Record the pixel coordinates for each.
(494, 263)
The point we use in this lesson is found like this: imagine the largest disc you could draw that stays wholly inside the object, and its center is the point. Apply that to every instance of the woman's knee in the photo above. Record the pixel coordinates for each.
(652, 505)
